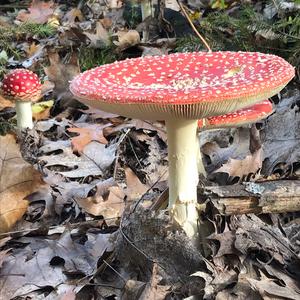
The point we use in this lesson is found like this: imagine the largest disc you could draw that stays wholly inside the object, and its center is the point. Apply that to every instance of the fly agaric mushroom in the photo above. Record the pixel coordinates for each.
(238, 118)
(23, 87)
(180, 88)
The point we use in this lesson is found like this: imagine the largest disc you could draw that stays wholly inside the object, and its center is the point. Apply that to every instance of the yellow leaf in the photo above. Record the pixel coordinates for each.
(41, 110)
(233, 71)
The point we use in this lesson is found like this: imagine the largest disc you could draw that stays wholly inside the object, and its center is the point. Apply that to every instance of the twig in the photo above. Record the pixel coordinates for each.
(111, 267)
(194, 28)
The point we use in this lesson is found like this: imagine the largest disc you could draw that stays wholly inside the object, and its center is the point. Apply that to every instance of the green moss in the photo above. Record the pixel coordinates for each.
(90, 58)
(12, 34)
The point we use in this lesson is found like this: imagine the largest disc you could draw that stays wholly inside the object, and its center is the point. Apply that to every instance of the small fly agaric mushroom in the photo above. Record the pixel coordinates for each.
(238, 118)
(181, 88)
(23, 87)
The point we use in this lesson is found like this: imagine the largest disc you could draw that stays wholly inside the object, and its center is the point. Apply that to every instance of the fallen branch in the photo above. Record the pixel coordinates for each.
(264, 197)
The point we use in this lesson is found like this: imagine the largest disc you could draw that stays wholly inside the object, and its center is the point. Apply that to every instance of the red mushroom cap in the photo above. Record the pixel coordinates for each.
(21, 85)
(247, 115)
(183, 85)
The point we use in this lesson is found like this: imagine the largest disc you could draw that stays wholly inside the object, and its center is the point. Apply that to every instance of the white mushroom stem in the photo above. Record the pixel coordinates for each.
(24, 115)
(183, 154)
(201, 169)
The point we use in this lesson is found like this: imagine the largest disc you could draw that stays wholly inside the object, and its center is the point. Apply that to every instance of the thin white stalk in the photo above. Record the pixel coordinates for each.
(146, 8)
(24, 115)
(183, 154)
(201, 169)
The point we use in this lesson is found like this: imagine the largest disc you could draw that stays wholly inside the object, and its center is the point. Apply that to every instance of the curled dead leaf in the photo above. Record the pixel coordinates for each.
(127, 39)
(38, 12)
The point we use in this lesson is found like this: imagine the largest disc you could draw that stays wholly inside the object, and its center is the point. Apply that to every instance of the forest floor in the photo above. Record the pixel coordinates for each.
(82, 193)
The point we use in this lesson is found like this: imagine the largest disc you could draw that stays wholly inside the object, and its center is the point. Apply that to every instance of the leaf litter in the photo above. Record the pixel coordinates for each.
(85, 225)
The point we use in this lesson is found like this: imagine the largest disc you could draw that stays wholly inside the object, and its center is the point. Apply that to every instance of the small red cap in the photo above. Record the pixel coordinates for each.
(247, 115)
(21, 85)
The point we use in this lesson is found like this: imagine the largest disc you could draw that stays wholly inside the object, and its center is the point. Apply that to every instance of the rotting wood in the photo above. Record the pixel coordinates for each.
(263, 197)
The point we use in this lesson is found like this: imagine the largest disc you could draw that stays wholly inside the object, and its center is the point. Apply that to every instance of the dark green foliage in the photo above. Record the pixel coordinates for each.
(249, 30)
(9, 35)
(90, 57)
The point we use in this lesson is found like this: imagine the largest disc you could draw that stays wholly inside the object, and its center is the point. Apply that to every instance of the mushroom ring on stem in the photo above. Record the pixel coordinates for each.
(23, 87)
(181, 88)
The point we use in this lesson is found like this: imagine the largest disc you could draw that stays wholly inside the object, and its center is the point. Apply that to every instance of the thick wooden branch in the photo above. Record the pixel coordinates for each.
(265, 197)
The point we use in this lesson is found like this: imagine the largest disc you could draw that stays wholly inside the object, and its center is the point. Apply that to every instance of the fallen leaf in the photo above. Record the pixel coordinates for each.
(38, 12)
(233, 71)
(269, 289)
(18, 179)
(32, 48)
(251, 164)
(5, 103)
(61, 74)
(3, 255)
(115, 4)
(153, 289)
(72, 16)
(108, 201)
(127, 39)
(135, 188)
(69, 295)
(95, 159)
(98, 114)
(41, 110)
(280, 137)
(100, 39)
(52, 261)
(106, 22)
(87, 133)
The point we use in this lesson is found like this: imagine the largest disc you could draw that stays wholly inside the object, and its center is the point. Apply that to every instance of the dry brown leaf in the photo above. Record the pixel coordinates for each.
(72, 16)
(61, 74)
(69, 295)
(3, 255)
(153, 290)
(99, 39)
(108, 200)
(32, 49)
(135, 188)
(5, 103)
(127, 39)
(87, 134)
(18, 179)
(98, 114)
(269, 289)
(240, 168)
(115, 3)
(106, 22)
(39, 12)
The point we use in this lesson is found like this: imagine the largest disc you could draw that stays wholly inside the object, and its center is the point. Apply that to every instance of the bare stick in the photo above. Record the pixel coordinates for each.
(194, 28)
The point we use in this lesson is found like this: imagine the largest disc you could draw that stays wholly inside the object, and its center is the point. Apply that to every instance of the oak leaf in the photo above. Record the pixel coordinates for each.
(61, 73)
(18, 179)
(87, 134)
(38, 12)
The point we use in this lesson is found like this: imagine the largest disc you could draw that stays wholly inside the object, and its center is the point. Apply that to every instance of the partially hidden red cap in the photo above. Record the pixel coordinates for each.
(240, 117)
